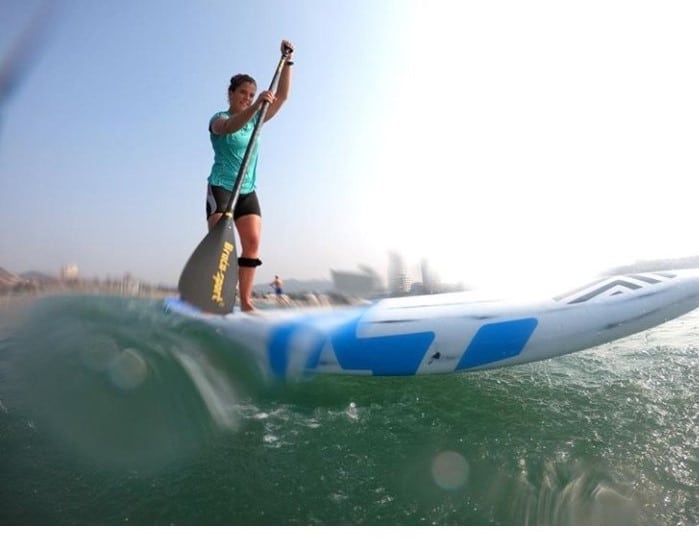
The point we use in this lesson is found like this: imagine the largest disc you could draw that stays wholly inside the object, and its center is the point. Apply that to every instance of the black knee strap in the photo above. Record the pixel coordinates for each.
(249, 262)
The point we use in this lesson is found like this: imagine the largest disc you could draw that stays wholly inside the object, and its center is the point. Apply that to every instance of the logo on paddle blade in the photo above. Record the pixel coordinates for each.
(220, 275)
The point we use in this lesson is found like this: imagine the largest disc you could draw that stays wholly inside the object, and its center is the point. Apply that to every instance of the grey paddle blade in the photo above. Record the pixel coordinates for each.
(208, 280)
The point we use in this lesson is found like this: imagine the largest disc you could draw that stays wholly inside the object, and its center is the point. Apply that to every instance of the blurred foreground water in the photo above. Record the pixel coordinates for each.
(115, 413)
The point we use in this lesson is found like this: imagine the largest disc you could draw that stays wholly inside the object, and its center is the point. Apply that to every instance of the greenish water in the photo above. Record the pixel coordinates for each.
(114, 413)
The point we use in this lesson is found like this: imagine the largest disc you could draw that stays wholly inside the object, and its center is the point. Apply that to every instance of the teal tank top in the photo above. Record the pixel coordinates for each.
(229, 150)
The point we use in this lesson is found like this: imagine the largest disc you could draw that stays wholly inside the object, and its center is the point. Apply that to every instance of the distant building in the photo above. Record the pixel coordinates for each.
(129, 285)
(430, 280)
(70, 273)
(363, 283)
(398, 281)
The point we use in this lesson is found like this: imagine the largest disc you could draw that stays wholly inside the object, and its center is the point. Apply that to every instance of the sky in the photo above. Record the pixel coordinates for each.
(500, 140)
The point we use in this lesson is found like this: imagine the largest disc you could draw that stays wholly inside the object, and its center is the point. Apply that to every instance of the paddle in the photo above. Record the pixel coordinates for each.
(209, 277)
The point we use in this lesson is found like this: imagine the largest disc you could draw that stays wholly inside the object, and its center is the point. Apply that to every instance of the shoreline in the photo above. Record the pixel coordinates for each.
(10, 300)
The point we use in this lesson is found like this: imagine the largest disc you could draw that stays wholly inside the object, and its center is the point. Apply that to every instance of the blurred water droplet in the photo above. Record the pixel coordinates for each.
(450, 470)
(128, 370)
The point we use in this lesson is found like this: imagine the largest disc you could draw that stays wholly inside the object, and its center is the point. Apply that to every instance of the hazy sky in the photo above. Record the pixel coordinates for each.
(495, 138)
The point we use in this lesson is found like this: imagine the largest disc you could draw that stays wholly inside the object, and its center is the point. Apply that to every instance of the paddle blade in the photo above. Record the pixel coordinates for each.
(209, 278)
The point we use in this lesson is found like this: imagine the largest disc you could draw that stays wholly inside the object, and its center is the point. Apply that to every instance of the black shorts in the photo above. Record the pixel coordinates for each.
(217, 199)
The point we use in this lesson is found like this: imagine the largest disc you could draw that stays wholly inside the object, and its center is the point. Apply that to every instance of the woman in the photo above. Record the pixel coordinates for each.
(230, 133)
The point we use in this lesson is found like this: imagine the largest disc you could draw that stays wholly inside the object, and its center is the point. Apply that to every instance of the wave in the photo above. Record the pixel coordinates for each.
(117, 379)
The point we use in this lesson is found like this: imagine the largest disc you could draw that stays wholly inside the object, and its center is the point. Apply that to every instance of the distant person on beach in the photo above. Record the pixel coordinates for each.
(277, 284)
(230, 133)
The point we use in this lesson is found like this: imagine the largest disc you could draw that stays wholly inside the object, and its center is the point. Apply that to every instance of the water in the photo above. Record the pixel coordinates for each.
(114, 413)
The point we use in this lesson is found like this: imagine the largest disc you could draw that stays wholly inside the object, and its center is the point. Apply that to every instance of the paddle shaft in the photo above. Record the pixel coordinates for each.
(253, 138)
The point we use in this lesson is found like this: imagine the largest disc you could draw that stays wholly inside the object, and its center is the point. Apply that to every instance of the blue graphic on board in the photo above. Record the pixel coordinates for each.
(389, 355)
(393, 354)
(278, 347)
(398, 354)
(497, 341)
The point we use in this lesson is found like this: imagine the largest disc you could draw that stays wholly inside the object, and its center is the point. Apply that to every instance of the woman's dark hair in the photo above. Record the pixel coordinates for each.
(238, 80)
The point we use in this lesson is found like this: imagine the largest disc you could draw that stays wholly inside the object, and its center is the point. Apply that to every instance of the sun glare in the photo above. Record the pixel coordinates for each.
(500, 170)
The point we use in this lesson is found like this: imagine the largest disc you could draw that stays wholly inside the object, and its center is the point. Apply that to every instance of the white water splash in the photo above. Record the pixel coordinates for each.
(218, 396)
(351, 411)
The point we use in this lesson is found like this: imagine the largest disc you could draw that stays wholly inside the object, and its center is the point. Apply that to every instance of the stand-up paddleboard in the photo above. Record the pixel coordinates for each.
(449, 333)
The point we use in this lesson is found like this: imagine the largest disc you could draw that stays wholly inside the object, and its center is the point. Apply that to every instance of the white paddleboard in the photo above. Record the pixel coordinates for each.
(450, 333)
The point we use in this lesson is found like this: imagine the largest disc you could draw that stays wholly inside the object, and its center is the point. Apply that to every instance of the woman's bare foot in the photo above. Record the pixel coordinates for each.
(247, 307)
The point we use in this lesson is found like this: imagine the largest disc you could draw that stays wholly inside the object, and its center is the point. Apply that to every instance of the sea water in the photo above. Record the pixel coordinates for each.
(113, 412)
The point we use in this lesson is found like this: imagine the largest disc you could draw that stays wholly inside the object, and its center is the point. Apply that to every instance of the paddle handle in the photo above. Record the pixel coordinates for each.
(256, 133)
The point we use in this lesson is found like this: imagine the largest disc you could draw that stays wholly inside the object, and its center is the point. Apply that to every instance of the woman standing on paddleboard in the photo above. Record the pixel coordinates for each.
(230, 133)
